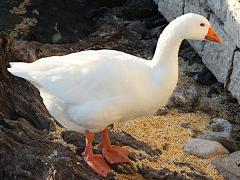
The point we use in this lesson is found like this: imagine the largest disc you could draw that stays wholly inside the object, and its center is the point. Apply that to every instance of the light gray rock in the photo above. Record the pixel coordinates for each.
(234, 86)
(219, 7)
(196, 6)
(218, 57)
(229, 167)
(231, 24)
(220, 131)
(204, 148)
(170, 9)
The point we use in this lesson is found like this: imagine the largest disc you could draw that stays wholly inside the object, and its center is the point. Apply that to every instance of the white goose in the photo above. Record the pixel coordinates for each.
(89, 90)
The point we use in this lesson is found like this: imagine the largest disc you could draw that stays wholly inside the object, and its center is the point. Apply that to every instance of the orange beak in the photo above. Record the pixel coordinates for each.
(212, 36)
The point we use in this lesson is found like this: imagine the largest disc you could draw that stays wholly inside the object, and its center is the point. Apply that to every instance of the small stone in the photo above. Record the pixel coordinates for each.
(194, 131)
(220, 131)
(204, 148)
(186, 98)
(229, 167)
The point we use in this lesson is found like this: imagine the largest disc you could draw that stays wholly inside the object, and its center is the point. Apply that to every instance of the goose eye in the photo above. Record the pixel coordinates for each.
(202, 24)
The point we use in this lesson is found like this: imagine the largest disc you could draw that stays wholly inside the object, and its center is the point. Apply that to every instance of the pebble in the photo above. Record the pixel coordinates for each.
(220, 131)
(186, 98)
(204, 148)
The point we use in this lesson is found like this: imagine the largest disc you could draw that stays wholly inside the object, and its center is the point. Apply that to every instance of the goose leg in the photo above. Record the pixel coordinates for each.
(113, 154)
(95, 161)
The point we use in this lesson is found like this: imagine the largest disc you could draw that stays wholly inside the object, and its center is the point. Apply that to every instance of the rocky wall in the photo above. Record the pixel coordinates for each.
(224, 15)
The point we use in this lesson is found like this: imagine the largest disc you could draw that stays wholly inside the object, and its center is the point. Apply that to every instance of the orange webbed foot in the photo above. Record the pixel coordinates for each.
(98, 164)
(115, 154)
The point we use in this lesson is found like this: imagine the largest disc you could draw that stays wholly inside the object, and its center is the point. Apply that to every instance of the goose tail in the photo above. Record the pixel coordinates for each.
(20, 69)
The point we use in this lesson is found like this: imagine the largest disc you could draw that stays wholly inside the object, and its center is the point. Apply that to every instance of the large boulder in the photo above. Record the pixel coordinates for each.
(219, 7)
(170, 9)
(218, 57)
(231, 24)
(234, 86)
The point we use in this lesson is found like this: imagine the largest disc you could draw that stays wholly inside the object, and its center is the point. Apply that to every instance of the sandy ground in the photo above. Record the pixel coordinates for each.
(167, 134)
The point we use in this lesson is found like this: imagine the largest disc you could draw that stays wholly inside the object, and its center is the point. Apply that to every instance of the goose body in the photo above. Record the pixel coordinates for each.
(91, 89)
(88, 90)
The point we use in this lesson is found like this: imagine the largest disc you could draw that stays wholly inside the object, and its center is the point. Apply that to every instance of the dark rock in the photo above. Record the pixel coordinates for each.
(99, 13)
(150, 45)
(76, 139)
(164, 173)
(229, 167)
(155, 32)
(205, 106)
(220, 130)
(213, 90)
(188, 53)
(156, 21)
(126, 139)
(30, 155)
(161, 112)
(110, 4)
(195, 172)
(8, 20)
(124, 168)
(141, 9)
(138, 27)
(184, 98)
(205, 77)
(60, 21)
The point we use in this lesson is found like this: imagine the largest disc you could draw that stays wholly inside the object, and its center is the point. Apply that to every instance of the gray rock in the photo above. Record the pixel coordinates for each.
(187, 98)
(204, 148)
(196, 6)
(170, 9)
(220, 131)
(219, 7)
(234, 86)
(198, 46)
(229, 167)
(232, 25)
(218, 57)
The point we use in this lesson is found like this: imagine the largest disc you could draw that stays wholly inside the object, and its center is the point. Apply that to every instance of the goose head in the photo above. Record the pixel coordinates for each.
(195, 27)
